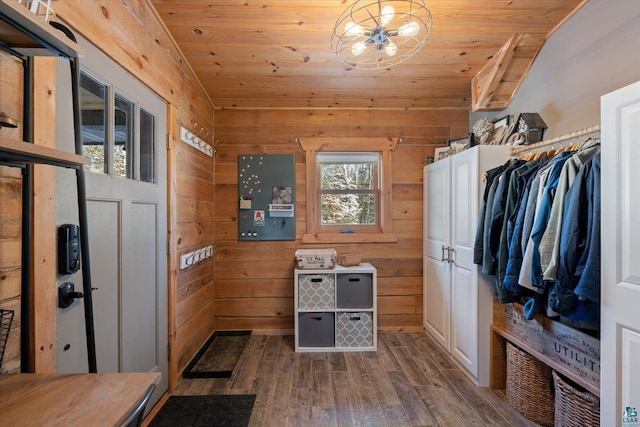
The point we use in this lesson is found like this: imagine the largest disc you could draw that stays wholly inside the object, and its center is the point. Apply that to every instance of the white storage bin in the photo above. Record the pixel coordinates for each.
(316, 258)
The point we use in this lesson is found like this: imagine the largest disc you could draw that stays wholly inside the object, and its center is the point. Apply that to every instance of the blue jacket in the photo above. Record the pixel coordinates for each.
(579, 267)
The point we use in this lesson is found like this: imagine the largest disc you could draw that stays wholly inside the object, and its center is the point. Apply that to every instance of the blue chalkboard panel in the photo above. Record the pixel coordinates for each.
(266, 193)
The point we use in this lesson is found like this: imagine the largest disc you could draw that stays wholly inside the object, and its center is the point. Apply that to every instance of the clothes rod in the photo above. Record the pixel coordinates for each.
(559, 139)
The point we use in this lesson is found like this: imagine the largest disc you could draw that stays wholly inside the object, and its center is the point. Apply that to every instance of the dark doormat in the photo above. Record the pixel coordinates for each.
(205, 411)
(219, 355)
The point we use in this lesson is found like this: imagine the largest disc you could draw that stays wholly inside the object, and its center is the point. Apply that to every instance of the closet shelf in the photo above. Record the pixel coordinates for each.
(24, 152)
(28, 35)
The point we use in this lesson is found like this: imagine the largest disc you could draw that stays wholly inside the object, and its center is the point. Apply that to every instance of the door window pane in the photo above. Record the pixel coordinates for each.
(124, 154)
(93, 107)
(147, 151)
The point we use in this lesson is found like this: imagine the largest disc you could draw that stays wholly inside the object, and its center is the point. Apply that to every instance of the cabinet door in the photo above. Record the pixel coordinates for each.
(436, 299)
(437, 202)
(464, 318)
(464, 206)
(464, 301)
(620, 289)
(437, 235)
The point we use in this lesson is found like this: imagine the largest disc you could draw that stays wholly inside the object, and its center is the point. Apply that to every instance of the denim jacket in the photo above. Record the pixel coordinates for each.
(579, 266)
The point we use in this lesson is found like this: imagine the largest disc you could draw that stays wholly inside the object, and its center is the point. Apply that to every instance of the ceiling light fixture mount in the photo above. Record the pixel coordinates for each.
(382, 33)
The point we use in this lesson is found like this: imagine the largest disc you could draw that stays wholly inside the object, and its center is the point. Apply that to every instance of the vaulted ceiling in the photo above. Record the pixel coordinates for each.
(277, 53)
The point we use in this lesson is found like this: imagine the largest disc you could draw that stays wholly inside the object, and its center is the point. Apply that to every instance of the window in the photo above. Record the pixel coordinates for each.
(118, 135)
(348, 190)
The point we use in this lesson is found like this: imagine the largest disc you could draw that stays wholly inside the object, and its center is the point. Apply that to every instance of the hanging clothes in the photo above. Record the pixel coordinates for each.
(537, 233)
(550, 243)
(578, 277)
(478, 247)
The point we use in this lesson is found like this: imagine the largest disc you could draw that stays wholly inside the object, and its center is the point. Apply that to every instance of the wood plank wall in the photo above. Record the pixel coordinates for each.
(11, 211)
(254, 280)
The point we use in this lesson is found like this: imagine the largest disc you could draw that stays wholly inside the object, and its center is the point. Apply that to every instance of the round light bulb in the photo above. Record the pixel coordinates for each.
(409, 30)
(387, 15)
(352, 29)
(358, 48)
(390, 48)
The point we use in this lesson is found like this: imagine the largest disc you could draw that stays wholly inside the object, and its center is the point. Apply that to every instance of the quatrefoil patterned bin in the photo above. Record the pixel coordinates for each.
(316, 291)
(354, 329)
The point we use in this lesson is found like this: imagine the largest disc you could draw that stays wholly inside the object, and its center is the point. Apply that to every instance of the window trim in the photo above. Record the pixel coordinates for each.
(311, 147)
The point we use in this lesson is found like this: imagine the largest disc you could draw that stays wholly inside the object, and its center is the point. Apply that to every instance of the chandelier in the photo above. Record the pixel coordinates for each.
(378, 34)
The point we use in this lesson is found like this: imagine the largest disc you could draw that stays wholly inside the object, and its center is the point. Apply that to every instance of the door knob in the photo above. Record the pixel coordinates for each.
(67, 294)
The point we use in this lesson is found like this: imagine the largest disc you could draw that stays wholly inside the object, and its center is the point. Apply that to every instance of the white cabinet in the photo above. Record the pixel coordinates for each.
(620, 251)
(335, 309)
(458, 302)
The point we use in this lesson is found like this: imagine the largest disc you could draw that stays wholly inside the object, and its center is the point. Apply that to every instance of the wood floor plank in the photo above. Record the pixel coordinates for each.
(497, 399)
(323, 413)
(385, 392)
(413, 405)
(372, 414)
(338, 362)
(299, 408)
(408, 382)
(320, 373)
(409, 367)
(346, 407)
(271, 347)
(302, 376)
(359, 374)
(385, 355)
(476, 399)
(441, 406)
(278, 401)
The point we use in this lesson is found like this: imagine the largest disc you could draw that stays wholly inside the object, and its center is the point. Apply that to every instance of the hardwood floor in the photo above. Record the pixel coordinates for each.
(408, 382)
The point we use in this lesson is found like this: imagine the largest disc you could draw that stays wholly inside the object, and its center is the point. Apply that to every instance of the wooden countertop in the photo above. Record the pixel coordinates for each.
(70, 399)
(21, 151)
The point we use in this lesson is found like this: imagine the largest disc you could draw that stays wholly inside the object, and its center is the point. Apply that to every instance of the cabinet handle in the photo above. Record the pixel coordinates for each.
(449, 252)
(443, 259)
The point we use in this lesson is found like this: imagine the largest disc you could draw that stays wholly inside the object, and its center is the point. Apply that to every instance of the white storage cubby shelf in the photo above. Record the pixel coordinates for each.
(335, 309)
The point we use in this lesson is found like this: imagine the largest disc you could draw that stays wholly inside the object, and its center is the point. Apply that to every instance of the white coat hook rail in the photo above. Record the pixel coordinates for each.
(190, 138)
(592, 131)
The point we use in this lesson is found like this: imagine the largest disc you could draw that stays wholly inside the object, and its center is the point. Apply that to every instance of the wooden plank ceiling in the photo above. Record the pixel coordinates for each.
(277, 53)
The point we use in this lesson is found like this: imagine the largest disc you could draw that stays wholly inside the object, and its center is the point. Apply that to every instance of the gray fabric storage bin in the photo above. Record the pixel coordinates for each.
(316, 329)
(354, 290)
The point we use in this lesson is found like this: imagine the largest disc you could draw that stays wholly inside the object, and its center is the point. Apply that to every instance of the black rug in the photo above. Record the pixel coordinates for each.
(205, 411)
(219, 355)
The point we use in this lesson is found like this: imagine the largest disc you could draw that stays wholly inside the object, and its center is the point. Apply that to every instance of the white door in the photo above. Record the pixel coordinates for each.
(620, 328)
(124, 127)
(437, 271)
(464, 300)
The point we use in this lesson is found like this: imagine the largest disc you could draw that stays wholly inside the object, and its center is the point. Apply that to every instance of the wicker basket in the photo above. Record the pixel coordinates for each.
(529, 386)
(574, 405)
